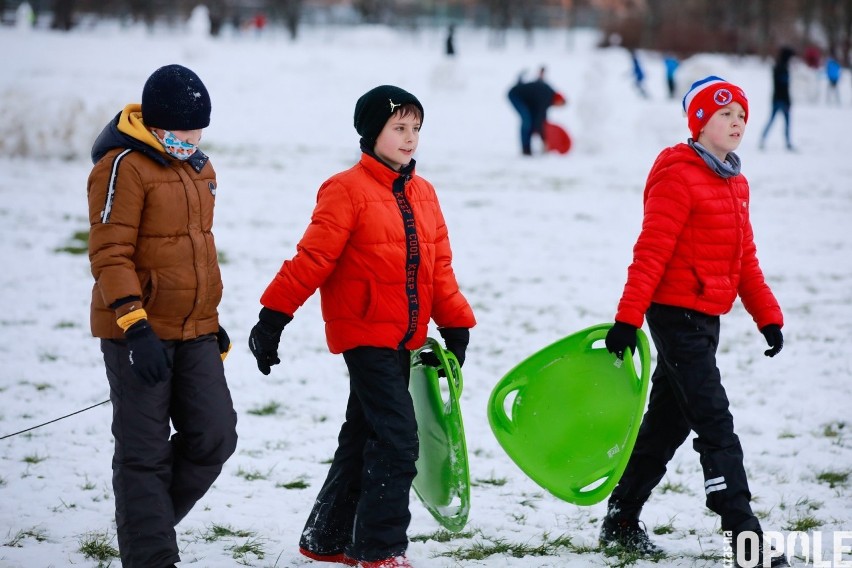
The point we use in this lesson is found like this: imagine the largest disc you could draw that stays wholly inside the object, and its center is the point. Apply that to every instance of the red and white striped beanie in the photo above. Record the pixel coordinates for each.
(707, 96)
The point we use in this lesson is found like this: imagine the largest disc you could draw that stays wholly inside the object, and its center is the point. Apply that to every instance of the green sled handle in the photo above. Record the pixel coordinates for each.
(575, 414)
(442, 482)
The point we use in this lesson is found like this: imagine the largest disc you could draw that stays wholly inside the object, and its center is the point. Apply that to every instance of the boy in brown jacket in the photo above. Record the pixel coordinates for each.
(157, 286)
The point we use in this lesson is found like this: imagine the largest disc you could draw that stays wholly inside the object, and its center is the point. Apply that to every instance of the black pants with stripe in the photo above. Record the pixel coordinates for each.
(157, 478)
(687, 395)
(362, 508)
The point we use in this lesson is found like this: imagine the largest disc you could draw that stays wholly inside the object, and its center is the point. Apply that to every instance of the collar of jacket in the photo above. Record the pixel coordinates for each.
(383, 172)
(127, 130)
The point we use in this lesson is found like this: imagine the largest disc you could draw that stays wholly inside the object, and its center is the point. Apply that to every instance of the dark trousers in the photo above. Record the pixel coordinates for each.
(784, 109)
(362, 508)
(157, 478)
(527, 126)
(687, 394)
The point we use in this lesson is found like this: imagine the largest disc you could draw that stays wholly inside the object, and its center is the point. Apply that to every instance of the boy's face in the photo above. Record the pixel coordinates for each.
(397, 141)
(724, 131)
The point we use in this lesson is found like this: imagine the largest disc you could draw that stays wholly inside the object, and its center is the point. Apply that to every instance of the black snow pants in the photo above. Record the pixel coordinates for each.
(687, 394)
(157, 478)
(362, 508)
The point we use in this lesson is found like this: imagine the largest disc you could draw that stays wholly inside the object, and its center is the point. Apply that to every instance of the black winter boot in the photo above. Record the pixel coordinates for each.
(627, 534)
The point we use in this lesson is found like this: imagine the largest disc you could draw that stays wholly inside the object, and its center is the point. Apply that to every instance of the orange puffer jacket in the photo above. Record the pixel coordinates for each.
(696, 249)
(355, 251)
(151, 219)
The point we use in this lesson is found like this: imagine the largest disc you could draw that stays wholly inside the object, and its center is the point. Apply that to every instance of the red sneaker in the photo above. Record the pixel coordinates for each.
(339, 557)
(395, 562)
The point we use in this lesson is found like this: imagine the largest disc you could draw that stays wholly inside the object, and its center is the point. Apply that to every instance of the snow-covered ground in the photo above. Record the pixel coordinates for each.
(541, 249)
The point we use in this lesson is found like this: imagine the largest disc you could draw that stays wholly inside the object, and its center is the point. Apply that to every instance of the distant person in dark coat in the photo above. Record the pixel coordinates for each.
(451, 47)
(780, 95)
(532, 100)
(638, 74)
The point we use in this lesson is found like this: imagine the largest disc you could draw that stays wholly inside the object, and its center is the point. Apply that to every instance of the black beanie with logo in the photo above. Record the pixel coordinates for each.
(174, 98)
(376, 106)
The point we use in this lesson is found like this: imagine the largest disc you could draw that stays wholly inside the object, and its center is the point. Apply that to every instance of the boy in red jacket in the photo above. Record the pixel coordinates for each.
(695, 254)
(378, 250)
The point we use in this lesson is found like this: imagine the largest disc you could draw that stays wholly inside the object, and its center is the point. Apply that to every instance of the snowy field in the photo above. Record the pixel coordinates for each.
(541, 249)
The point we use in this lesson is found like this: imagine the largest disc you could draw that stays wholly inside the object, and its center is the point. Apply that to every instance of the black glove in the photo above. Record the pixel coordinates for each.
(149, 360)
(455, 339)
(619, 337)
(224, 342)
(774, 338)
(265, 336)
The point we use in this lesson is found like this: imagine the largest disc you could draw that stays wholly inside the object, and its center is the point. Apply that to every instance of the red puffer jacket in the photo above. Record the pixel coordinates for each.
(354, 250)
(696, 248)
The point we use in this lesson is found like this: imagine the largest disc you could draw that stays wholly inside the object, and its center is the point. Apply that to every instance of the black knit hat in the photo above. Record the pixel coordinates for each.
(174, 98)
(376, 106)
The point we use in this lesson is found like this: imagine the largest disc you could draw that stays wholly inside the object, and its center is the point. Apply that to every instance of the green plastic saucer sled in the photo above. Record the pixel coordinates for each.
(575, 414)
(443, 478)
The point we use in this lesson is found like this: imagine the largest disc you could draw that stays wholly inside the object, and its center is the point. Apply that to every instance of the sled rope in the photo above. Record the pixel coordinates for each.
(55, 419)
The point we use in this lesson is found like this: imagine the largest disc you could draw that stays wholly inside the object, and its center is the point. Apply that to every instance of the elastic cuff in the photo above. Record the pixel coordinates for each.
(274, 318)
(125, 321)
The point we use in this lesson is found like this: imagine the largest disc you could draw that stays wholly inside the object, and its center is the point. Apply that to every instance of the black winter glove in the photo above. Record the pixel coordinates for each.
(149, 360)
(774, 338)
(224, 342)
(265, 336)
(455, 340)
(619, 338)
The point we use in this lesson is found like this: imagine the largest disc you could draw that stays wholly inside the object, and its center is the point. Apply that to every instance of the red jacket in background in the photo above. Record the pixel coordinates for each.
(354, 250)
(696, 249)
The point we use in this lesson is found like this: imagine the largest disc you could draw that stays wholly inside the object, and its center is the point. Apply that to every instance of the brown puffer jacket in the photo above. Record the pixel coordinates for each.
(151, 218)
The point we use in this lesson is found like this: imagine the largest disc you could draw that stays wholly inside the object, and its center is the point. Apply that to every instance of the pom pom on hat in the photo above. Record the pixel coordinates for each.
(377, 105)
(707, 96)
(174, 98)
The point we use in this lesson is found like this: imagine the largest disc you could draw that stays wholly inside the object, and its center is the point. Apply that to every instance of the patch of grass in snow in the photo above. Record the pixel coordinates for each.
(669, 487)
(548, 547)
(833, 429)
(253, 475)
(77, 244)
(217, 532)
(833, 478)
(296, 484)
(619, 557)
(442, 536)
(251, 547)
(35, 533)
(666, 528)
(64, 324)
(34, 459)
(495, 481)
(98, 546)
(268, 409)
(804, 523)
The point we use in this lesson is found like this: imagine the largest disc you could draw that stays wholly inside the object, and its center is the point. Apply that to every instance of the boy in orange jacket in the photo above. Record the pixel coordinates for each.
(378, 250)
(695, 254)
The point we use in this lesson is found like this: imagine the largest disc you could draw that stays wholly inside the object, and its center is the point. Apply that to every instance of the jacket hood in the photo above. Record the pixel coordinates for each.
(127, 130)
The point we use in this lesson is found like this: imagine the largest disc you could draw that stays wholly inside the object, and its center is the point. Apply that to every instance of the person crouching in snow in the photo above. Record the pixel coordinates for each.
(694, 255)
(531, 101)
(377, 248)
(154, 306)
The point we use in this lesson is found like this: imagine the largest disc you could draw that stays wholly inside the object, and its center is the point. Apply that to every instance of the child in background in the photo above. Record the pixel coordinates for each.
(154, 307)
(378, 250)
(695, 254)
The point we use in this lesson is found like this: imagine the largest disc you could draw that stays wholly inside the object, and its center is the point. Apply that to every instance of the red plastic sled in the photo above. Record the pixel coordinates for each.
(556, 138)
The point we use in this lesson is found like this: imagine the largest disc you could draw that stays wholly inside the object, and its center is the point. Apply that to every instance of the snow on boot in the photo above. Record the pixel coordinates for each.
(627, 534)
